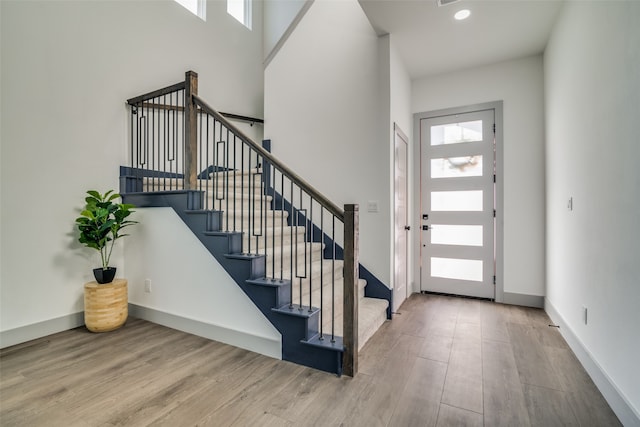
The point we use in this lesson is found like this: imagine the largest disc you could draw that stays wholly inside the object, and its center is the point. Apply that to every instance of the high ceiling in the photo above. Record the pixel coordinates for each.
(430, 41)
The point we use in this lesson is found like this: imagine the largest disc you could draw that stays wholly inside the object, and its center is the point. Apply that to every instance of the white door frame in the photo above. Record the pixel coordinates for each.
(400, 293)
(499, 194)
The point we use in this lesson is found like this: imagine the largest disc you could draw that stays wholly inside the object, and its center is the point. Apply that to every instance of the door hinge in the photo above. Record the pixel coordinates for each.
(494, 213)
(494, 280)
(494, 128)
(494, 178)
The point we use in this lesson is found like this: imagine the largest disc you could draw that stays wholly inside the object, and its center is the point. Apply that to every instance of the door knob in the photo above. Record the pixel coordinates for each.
(407, 227)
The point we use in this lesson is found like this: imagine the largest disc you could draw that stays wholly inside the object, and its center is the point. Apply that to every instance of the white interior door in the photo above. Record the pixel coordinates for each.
(457, 162)
(401, 228)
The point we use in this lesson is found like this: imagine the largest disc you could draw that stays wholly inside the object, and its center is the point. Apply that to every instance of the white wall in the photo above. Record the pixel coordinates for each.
(188, 282)
(277, 17)
(519, 84)
(396, 78)
(400, 83)
(67, 69)
(322, 115)
(592, 100)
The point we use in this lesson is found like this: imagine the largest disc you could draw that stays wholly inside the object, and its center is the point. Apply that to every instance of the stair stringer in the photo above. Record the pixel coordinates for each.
(298, 327)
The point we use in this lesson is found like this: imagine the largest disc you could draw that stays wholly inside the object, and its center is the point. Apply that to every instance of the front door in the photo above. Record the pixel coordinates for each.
(457, 162)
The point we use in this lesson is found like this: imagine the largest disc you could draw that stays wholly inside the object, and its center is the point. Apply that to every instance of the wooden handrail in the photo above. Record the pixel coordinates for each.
(156, 93)
(232, 116)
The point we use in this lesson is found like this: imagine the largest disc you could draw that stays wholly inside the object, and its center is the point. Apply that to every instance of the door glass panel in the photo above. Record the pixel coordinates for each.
(466, 201)
(455, 133)
(456, 167)
(467, 235)
(461, 269)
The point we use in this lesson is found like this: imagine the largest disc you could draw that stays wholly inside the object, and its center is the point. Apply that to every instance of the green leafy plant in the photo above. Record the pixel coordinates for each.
(102, 221)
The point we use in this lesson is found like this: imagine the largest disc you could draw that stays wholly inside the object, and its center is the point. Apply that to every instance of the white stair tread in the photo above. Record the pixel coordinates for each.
(372, 313)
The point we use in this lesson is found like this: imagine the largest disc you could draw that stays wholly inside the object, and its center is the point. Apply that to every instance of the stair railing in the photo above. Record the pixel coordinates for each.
(180, 142)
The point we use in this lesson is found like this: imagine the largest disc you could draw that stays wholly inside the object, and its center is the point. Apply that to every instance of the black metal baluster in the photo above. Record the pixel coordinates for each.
(198, 156)
(282, 210)
(291, 222)
(134, 112)
(153, 139)
(310, 245)
(256, 178)
(333, 279)
(250, 200)
(321, 270)
(235, 174)
(169, 143)
(206, 164)
(226, 184)
(242, 196)
(176, 142)
(273, 220)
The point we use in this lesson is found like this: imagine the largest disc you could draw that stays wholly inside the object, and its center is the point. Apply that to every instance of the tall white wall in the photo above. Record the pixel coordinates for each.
(519, 84)
(396, 105)
(67, 69)
(592, 104)
(400, 84)
(322, 115)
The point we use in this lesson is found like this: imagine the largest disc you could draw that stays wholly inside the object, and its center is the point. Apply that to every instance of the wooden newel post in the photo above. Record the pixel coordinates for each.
(190, 131)
(351, 264)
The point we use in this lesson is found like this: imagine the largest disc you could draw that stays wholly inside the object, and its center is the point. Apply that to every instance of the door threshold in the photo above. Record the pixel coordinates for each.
(457, 296)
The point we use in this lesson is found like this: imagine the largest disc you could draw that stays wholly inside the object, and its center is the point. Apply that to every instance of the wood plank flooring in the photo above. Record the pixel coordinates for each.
(442, 361)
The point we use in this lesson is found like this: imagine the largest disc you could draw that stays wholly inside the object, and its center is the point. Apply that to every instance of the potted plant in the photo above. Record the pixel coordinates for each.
(100, 225)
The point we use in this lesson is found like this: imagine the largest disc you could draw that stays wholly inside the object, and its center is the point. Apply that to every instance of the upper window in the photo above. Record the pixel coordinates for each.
(197, 7)
(241, 10)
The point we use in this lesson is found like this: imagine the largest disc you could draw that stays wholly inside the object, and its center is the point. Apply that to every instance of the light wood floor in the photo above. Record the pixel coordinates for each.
(441, 362)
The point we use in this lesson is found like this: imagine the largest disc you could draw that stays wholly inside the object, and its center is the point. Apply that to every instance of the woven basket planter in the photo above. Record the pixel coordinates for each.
(105, 306)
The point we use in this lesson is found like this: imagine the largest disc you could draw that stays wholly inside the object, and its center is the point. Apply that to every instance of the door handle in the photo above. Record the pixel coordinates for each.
(425, 227)
(407, 227)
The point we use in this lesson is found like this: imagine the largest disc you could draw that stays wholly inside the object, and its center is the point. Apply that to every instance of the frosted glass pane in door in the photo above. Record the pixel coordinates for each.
(467, 201)
(455, 133)
(461, 269)
(456, 167)
(464, 235)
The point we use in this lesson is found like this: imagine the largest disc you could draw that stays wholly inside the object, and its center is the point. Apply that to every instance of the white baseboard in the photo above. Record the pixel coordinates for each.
(523, 300)
(620, 405)
(258, 344)
(40, 329)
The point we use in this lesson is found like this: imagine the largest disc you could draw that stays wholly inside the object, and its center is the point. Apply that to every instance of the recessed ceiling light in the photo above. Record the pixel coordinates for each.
(462, 14)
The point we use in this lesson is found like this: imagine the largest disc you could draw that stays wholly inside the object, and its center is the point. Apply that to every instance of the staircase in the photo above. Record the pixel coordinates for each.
(372, 311)
(272, 232)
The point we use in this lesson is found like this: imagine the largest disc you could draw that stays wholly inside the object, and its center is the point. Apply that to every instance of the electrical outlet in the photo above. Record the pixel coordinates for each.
(147, 286)
(372, 206)
(584, 314)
